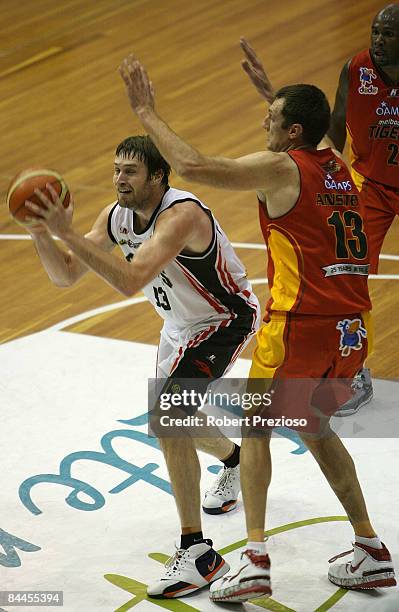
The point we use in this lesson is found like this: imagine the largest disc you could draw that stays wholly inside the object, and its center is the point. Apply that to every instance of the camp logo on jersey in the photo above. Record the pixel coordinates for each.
(384, 109)
(330, 183)
(366, 81)
(352, 334)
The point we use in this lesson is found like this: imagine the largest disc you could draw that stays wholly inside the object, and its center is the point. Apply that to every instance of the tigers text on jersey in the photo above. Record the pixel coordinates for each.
(318, 254)
(372, 121)
(192, 289)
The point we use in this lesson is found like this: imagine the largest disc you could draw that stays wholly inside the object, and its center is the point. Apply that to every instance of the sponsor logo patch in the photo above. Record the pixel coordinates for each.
(366, 77)
(352, 334)
(384, 109)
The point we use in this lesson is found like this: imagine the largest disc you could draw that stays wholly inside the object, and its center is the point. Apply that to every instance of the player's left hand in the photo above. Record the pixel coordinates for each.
(138, 85)
(53, 215)
(256, 72)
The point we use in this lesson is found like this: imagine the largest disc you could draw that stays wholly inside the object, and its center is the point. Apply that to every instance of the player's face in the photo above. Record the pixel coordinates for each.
(133, 186)
(277, 136)
(385, 39)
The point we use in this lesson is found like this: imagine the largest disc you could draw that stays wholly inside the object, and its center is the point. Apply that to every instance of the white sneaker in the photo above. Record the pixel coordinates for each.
(189, 570)
(370, 568)
(222, 495)
(362, 388)
(250, 580)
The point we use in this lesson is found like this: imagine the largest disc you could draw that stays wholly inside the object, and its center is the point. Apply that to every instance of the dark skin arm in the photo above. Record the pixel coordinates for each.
(337, 131)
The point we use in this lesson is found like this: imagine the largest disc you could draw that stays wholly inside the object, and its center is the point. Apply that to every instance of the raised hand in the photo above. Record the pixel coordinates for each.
(254, 69)
(138, 86)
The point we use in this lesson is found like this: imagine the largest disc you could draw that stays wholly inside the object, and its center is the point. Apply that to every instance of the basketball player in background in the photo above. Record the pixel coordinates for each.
(315, 293)
(179, 256)
(366, 111)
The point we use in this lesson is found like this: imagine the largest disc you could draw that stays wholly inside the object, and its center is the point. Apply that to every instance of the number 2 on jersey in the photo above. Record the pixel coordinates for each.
(357, 245)
(393, 157)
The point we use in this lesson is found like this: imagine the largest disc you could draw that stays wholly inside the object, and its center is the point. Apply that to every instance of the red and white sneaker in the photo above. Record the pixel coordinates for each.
(250, 580)
(370, 568)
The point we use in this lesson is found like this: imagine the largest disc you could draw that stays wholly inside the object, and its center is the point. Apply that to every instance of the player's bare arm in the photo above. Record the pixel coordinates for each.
(256, 72)
(258, 171)
(185, 227)
(63, 267)
(336, 135)
(175, 230)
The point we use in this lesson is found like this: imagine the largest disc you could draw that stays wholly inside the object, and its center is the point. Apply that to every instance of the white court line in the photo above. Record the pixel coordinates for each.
(15, 237)
(263, 281)
(19, 237)
(109, 307)
(383, 276)
(248, 245)
(258, 281)
(236, 245)
(101, 309)
(391, 257)
(95, 311)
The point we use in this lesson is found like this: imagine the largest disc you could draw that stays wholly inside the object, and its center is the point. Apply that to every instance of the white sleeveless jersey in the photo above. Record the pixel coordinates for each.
(192, 289)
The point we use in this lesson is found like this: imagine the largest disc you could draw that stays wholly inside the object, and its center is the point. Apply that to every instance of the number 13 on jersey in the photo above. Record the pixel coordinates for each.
(354, 244)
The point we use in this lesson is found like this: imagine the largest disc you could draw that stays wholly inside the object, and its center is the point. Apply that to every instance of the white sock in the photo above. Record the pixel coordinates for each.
(372, 542)
(258, 547)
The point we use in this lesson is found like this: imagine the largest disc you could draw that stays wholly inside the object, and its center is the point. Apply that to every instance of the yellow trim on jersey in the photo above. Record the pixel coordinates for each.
(358, 179)
(269, 353)
(286, 278)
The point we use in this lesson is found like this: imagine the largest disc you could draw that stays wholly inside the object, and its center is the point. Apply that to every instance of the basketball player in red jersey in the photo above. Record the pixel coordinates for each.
(306, 197)
(366, 112)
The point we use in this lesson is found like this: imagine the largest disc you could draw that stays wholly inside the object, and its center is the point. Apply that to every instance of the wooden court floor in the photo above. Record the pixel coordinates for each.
(63, 105)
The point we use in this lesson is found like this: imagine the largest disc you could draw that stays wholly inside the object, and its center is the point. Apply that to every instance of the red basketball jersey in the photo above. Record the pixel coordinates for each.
(372, 122)
(318, 254)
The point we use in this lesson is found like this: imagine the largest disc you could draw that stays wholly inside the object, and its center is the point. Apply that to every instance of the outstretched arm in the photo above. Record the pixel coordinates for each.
(174, 229)
(254, 69)
(252, 172)
(337, 133)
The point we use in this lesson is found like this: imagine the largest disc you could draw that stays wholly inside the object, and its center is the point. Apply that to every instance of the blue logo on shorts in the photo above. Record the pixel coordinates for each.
(352, 333)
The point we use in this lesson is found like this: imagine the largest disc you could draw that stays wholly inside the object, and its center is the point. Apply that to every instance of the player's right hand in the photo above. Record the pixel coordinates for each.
(254, 69)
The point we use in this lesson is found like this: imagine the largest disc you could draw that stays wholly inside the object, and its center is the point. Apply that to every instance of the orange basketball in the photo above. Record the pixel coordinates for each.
(23, 187)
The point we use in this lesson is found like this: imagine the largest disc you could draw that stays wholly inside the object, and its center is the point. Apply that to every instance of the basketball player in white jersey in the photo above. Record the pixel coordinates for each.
(178, 255)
